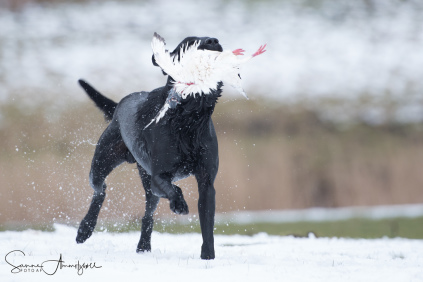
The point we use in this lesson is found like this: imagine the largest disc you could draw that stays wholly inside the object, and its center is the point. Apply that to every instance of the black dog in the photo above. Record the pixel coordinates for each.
(182, 143)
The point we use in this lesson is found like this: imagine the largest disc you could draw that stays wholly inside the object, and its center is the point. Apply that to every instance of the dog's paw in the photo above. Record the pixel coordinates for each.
(207, 253)
(85, 231)
(179, 206)
(143, 248)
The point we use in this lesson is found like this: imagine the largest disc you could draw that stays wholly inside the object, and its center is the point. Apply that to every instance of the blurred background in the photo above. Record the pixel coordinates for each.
(334, 117)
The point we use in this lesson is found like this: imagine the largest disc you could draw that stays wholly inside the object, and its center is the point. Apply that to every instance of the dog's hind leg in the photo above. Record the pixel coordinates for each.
(151, 202)
(110, 152)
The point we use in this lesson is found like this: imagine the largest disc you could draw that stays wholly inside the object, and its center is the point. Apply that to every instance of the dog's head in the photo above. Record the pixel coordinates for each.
(206, 43)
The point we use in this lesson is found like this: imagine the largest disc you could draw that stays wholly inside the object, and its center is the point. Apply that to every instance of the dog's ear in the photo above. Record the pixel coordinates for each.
(155, 64)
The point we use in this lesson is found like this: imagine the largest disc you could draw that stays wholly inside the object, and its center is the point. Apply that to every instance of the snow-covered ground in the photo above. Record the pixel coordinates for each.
(319, 214)
(239, 258)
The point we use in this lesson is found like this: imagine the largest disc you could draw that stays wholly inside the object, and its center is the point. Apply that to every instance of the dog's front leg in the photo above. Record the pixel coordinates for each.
(206, 210)
(205, 173)
(162, 186)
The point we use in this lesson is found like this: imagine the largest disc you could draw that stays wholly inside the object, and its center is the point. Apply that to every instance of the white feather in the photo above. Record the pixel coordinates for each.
(199, 71)
(160, 115)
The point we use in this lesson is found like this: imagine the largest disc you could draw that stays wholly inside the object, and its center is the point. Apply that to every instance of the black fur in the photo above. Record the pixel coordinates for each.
(103, 103)
(182, 143)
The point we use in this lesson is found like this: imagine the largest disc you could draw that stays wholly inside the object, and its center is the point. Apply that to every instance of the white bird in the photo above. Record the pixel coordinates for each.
(199, 71)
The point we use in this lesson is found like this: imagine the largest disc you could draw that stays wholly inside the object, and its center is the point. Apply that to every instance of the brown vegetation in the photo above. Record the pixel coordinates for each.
(271, 157)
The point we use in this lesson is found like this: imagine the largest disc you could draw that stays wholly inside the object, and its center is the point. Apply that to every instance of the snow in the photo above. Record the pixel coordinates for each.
(336, 48)
(321, 214)
(238, 258)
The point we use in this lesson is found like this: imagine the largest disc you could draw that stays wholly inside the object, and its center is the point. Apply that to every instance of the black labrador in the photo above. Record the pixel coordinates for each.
(181, 144)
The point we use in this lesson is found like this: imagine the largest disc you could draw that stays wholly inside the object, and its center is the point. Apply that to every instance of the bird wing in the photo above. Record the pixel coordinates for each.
(188, 61)
(199, 71)
(163, 58)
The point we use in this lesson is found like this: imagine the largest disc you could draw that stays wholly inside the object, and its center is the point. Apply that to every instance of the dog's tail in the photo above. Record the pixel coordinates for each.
(106, 105)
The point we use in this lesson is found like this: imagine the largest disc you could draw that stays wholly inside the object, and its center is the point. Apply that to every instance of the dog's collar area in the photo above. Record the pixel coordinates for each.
(174, 99)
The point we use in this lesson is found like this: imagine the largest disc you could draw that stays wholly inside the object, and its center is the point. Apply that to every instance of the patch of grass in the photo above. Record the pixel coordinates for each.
(411, 228)
(24, 226)
(352, 228)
